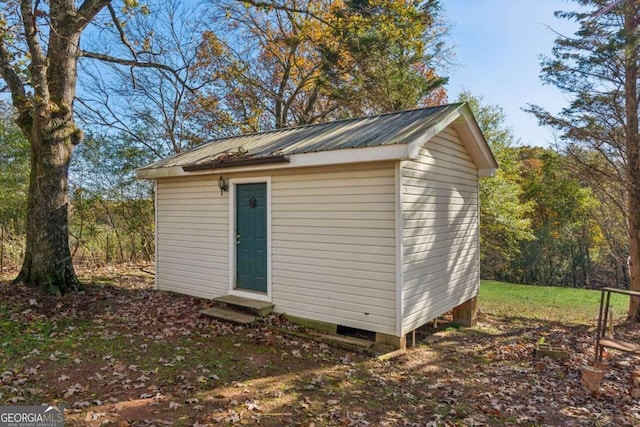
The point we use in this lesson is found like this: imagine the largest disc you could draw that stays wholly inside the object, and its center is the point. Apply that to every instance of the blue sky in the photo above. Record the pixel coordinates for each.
(498, 44)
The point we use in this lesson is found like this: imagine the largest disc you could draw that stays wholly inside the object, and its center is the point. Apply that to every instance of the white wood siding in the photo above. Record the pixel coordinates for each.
(192, 237)
(333, 245)
(440, 230)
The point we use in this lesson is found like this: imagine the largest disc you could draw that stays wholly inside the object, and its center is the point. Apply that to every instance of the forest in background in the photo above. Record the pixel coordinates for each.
(240, 67)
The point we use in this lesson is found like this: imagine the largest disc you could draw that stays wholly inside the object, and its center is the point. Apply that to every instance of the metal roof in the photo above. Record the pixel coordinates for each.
(381, 130)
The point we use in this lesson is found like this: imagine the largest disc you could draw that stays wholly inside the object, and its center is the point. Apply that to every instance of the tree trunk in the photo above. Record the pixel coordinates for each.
(634, 259)
(47, 262)
(633, 154)
(47, 122)
(633, 313)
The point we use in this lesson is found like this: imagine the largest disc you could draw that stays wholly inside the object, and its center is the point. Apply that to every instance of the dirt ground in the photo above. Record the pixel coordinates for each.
(122, 354)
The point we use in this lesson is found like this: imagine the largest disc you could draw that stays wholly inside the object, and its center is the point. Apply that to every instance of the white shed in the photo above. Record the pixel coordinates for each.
(370, 223)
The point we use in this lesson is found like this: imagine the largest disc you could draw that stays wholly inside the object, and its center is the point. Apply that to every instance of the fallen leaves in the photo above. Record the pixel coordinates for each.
(72, 390)
(252, 405)
(138, 357)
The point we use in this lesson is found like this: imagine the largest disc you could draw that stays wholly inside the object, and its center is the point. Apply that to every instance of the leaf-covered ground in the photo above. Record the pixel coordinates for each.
(122, 354)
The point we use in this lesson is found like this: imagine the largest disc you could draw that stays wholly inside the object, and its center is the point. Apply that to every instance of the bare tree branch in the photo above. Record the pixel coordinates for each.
(10, 76)
(136, 63)
(87, 11)
(38, 66)
(274, 5)
(118, 25)
(120, 125)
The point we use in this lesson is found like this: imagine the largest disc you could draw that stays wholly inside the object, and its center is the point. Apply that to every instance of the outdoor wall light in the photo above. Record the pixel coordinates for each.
(223, 185)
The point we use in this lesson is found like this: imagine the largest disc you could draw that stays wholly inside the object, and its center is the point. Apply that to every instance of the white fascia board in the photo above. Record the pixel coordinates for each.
(350, 155)
(486, 173)
(320, 158)
(487, 163)
(158, 173)
(490, 162)
(416, 144)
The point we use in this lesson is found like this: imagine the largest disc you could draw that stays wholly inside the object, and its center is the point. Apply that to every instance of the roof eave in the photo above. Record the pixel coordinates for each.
(487, 173)
(436, 128)
(461, 116)
(228, 164)
(484, 158)
(321, 158)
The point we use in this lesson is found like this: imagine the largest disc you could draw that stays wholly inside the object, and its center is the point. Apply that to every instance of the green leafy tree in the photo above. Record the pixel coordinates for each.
(609, 190)
(299, 62)
(598, 69)
(567, 236)
(14, 180)
(504, 216)
(395, 49)
(14, 173)
(112, 212)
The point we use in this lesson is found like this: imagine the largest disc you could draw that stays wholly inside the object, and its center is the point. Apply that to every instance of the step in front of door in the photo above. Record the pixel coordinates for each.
(230, 315)
(258, 308)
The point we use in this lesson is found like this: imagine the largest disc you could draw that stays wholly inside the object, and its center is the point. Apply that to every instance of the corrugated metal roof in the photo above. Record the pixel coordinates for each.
(385, 129)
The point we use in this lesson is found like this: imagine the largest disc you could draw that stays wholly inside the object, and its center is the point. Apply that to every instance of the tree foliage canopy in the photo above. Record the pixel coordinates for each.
(567, 238)
(14, 173)
(505, 216)
(302, 62)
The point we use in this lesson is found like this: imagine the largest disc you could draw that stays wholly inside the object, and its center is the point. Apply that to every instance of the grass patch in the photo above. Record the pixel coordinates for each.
(567, 305)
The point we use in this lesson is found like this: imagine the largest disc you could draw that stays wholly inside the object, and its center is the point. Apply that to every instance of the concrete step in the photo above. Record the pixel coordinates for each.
(258, 308)
(229, 315)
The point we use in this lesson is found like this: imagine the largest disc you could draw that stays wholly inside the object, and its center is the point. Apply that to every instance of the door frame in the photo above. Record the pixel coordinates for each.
(232, 238)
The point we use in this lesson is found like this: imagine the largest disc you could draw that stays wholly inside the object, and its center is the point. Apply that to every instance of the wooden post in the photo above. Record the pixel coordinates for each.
(592, 378)
(466, 314)
(635, 384)
(397, 342)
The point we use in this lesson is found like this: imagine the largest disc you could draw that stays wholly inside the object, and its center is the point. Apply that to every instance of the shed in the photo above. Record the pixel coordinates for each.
(369, 223)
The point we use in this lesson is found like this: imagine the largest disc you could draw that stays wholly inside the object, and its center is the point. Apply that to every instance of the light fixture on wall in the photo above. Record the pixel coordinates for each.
(222, 184)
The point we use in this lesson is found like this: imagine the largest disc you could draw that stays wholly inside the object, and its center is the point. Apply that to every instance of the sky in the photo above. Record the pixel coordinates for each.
(498, 44)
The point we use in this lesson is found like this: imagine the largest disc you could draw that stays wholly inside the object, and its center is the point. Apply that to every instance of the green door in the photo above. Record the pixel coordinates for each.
(251, 237)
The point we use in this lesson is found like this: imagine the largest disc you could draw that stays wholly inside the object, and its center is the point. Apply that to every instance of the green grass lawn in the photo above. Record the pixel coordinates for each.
(547, 303)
